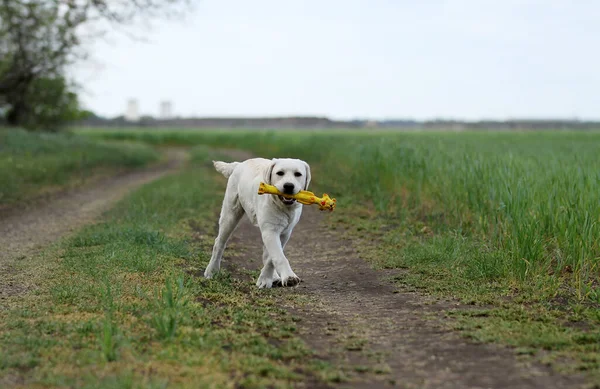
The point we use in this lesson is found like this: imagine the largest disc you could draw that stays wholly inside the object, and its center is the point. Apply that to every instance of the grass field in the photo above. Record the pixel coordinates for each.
(122, 305)
(506, 221)
(35, 163)
(531, 198)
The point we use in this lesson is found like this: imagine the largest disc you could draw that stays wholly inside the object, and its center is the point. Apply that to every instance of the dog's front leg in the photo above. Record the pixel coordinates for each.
(272, 242)
(268, 276)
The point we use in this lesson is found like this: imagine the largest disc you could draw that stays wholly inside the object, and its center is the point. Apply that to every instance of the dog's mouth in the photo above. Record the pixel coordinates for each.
(287, 201)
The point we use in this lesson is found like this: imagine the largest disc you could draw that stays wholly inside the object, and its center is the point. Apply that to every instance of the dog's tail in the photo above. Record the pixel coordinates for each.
(225, 168)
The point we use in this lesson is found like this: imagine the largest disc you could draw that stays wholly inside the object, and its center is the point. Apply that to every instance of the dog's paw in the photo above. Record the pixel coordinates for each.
(264, 282)
(291, 281)
(269, 282)
(209, 273)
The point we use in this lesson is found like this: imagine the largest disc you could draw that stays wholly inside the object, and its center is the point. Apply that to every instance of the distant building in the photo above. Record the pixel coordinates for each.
(132, 113)
(166, 110)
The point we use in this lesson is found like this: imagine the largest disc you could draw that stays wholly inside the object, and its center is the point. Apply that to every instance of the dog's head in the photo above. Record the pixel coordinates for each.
(289, 176)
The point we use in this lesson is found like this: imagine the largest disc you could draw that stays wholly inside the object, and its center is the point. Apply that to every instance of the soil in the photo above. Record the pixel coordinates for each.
(388, 337)
(24, 232)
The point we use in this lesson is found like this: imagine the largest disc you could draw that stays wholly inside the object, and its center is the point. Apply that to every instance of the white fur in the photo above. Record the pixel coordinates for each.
(269, 213)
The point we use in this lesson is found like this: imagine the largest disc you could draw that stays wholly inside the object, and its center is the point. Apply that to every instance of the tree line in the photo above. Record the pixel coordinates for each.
(40, 39)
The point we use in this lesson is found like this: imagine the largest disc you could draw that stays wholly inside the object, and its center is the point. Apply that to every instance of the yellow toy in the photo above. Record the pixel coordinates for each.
(303, 197)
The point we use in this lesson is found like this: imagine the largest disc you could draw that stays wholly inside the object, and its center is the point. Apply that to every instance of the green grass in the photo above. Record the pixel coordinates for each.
(36, 163)
(532, 196)
(122, 304)
(506, 221)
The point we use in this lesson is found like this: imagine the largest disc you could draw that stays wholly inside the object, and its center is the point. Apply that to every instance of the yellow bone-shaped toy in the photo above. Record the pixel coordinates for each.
(303, 197)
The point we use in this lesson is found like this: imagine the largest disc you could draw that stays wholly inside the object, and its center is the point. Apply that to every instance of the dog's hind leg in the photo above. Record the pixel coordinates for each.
(231, 214)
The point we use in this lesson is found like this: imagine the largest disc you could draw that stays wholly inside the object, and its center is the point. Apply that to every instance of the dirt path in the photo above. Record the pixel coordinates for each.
(358, 317)
(24, 233)
(390, 338)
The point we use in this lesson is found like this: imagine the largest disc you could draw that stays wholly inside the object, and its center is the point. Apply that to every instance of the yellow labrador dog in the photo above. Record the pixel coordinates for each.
(275, 216)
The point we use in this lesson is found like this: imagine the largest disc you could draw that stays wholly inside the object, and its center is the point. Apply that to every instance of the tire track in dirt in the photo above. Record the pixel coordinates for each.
(359, 319)
(23, 233)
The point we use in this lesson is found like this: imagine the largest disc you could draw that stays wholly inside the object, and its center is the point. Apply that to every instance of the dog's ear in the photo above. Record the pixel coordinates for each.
(308, 176)
(269, 171)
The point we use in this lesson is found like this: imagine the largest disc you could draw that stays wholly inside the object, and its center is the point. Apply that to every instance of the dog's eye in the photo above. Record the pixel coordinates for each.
(298, 174)
(280, 173)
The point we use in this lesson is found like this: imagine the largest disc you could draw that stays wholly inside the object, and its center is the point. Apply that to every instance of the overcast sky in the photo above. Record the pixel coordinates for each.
(358, 59)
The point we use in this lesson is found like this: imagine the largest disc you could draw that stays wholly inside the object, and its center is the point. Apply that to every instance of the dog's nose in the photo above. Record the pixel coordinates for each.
(288, 188)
